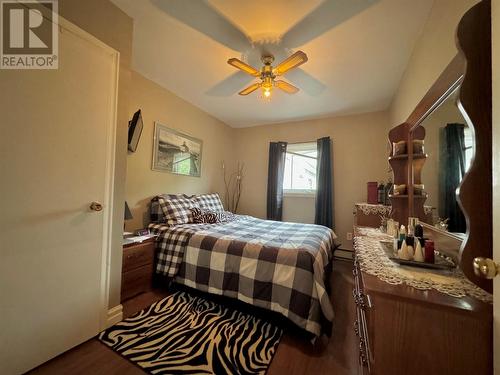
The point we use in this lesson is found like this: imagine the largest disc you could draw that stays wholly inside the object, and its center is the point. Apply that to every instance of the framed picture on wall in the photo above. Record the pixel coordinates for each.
(176, 152)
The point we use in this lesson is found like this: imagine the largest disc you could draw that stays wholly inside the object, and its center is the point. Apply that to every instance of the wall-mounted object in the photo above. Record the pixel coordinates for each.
(176, 152)
(134, 131)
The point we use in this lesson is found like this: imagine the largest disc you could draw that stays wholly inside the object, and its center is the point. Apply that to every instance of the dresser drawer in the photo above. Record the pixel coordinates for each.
(137, 281)
(363, 306)
(138, 255)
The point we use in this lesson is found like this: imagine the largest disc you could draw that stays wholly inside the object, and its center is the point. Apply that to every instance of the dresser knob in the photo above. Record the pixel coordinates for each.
(485, 268)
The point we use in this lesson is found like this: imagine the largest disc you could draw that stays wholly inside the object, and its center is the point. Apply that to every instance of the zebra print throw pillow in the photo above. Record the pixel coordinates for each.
(184, 334)
(201, 216)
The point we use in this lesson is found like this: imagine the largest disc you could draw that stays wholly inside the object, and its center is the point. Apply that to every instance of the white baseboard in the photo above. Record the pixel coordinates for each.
(115, 315)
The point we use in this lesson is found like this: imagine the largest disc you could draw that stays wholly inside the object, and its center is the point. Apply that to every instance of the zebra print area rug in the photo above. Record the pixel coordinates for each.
(183, 334)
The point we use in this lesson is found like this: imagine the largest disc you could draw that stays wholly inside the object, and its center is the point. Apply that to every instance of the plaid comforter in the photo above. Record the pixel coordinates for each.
(274, 265)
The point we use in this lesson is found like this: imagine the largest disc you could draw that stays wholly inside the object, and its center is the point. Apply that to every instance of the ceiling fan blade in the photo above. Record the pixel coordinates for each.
(203, 17)
(306, 82)
(326, 16)
(298, 58)
(237, 63)
(249, 89)
(230, 85)
(286, 87)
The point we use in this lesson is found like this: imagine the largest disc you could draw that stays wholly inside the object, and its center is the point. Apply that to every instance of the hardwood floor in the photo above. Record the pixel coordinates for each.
(295, 354)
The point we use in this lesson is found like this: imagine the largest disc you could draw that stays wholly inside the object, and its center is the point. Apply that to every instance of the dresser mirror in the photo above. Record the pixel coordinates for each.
(467, 81)
(449, 146)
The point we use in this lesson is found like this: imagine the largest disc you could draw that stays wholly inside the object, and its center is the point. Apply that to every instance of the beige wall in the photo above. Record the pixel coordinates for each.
(158, 104)
(496, 175)
(108, 23)
(359, 153)
(432, 53)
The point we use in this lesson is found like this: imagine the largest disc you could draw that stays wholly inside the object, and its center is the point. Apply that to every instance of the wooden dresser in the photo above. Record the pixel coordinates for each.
(137, 268)
(369, 215)
(403, 330)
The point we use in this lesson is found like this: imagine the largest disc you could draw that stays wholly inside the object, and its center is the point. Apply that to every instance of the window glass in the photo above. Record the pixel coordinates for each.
(468, 142)
(300, 168)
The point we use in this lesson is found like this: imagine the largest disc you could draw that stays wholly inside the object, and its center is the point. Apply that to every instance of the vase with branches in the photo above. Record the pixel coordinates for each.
(232, 185)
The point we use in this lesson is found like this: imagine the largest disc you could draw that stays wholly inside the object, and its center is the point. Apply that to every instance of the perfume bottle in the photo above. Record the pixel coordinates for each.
(402, 232)
(410, 243)
(380, 193)
(412, 223)
(387, 192)
(429, 251)
(403, 252)
(418, 256)
(419, 230)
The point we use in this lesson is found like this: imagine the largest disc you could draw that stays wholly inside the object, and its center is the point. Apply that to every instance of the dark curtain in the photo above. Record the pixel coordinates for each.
(324, 188)
(452, 172)
(275, 174)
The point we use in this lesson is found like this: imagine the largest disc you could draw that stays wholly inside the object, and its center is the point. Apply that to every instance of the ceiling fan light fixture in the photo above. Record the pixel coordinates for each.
(267, 86)
(268, 74)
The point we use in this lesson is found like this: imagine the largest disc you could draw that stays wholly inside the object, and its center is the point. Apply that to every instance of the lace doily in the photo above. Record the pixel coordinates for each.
(380, 209)
(374, 261)
(374, 209)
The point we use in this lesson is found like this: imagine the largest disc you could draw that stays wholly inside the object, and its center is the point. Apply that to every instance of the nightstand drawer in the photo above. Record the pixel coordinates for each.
(138, 255)
(137, 281)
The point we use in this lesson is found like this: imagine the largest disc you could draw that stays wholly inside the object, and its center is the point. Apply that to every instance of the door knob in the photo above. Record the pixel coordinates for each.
(485, 268)
(95, 206)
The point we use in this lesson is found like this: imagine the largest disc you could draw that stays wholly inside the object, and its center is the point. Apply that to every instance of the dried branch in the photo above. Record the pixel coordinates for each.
(232, 185)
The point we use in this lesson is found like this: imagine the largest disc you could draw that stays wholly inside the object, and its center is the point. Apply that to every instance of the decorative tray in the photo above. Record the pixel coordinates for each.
(441, 262)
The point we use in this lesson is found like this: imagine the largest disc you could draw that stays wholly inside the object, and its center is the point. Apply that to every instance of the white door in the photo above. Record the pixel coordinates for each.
(56, 157)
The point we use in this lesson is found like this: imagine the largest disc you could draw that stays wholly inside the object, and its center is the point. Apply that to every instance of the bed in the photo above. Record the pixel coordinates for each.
(278, 266)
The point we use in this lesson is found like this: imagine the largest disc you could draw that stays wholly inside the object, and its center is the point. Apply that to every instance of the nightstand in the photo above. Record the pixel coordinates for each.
(137, 268)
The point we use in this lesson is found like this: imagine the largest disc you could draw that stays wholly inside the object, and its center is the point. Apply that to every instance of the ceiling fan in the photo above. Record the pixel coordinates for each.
(268, 73)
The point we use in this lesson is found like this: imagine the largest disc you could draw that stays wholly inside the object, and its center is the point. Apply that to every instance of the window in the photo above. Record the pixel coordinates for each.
(300, 168)
(468, 143)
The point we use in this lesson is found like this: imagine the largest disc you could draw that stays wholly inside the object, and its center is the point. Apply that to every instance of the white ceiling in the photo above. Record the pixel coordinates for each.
(357, 49)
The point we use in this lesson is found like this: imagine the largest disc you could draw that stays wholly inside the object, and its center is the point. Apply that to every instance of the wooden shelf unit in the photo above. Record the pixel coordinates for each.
(407, 170)
(406, 196)
(405, 157)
